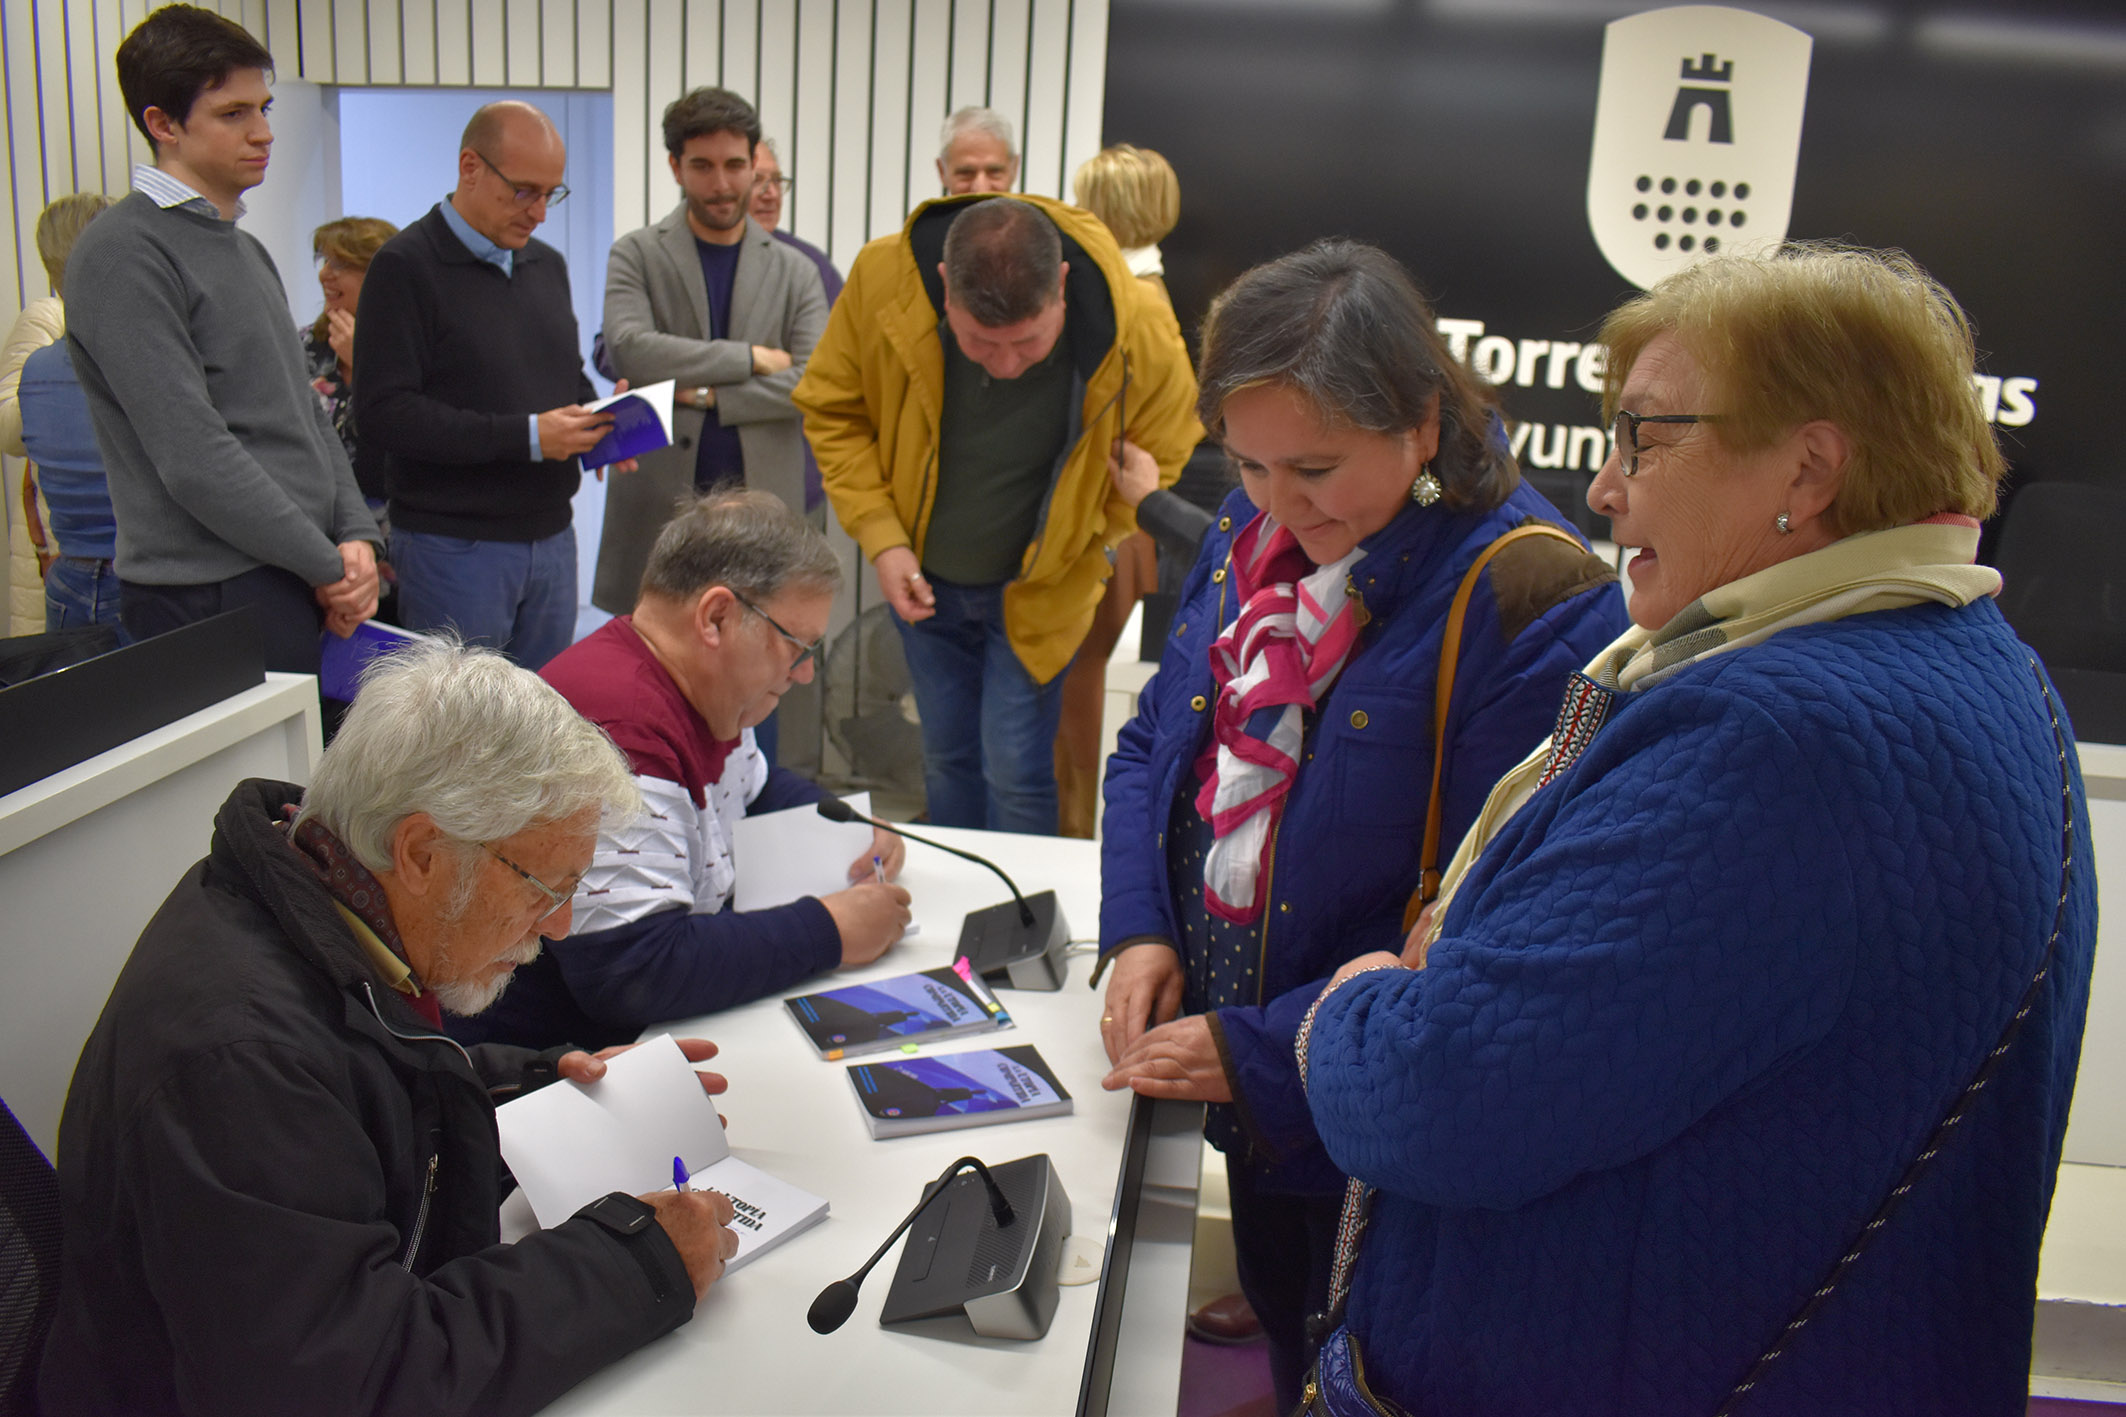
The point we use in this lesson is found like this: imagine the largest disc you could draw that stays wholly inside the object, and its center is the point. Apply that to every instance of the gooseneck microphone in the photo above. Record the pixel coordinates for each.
(836, 810)
(838, 1300)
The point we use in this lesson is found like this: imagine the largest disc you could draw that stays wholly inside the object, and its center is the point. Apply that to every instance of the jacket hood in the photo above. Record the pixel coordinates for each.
(252, 853)
(1089, 306)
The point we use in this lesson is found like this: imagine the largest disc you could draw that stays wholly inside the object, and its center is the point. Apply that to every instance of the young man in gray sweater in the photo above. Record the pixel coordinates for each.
(229, 485)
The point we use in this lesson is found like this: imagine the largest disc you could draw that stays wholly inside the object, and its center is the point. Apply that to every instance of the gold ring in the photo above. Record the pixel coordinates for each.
(1107, 1018)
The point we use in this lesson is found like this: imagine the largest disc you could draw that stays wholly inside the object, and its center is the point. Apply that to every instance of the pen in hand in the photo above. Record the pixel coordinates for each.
(878, 869)
(680, 1182)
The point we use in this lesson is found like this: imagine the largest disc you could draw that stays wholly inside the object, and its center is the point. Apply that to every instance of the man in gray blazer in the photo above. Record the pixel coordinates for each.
(709, 299)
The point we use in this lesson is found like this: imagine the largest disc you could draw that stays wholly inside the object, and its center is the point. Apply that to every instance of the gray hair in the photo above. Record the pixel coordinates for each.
(485, 748)
(975, 119)
(746, 540)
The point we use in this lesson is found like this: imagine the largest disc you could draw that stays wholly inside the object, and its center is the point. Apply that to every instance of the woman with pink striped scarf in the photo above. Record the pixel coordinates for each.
(1265, 807)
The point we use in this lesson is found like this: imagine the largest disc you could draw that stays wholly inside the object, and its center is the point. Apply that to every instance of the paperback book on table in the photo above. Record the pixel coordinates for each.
(911, 1095)
(927, 1006)
(570, 1143)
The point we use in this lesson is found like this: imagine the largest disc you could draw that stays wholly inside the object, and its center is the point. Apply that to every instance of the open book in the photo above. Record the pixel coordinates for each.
(570, 1143)
(642, 423)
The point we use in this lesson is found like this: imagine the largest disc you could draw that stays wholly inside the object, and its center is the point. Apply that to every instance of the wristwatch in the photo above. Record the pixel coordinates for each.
(620, 1213)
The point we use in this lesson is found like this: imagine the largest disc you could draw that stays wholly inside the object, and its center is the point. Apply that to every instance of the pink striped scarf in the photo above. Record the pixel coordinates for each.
(1292, 636)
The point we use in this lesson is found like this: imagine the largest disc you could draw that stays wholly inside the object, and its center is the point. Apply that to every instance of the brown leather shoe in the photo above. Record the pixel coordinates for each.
(1228, 1319)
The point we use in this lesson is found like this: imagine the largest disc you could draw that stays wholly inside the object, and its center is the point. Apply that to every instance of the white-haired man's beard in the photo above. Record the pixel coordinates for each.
(466, 997)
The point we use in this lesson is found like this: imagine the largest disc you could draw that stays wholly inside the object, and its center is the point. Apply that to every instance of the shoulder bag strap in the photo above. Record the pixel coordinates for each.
(1813, 1305)
(1450, 652)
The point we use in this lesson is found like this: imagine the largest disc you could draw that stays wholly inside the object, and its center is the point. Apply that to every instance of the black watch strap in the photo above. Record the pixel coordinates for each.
(633, 1220)
(624, 1215)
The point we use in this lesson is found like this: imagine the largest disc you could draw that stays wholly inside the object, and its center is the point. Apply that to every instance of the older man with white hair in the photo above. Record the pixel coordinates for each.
(278, 1177)
(975, 153)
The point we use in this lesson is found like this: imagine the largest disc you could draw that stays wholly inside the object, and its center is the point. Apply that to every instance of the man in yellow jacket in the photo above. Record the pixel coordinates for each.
(979, 373)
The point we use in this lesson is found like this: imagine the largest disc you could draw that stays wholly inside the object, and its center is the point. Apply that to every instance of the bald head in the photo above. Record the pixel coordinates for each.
(510, 117)
(510, 165)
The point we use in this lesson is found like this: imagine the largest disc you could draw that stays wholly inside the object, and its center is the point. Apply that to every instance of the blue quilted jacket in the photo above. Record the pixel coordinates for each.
(1692, 1014)
(1345, 857)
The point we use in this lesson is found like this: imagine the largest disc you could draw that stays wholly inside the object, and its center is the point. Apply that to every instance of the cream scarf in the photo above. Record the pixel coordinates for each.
(1877, 570)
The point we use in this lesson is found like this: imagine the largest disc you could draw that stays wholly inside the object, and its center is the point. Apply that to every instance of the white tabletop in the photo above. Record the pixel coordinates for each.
(748, 1348)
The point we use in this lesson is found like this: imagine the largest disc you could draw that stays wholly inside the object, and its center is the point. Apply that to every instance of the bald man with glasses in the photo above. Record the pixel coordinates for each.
(732, 607)
(473, 384)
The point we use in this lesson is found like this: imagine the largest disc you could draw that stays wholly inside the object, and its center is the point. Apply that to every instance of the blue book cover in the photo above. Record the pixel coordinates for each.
(911, 1095)
(642, 423)
(341, 662)
(948, 1002)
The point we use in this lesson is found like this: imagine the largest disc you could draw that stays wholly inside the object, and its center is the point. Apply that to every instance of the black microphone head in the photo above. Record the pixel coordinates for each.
(833, 1306)
(836, 810)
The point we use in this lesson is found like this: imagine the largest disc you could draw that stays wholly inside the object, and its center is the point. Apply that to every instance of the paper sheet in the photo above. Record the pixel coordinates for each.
(570, 1143)
(788, 855)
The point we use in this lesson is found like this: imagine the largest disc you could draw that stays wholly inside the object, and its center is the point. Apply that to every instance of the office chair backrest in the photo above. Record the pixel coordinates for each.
(29, 1262)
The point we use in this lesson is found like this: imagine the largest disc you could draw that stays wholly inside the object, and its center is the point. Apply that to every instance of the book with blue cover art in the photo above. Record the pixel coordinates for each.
(910, 1095)
(950, 1001)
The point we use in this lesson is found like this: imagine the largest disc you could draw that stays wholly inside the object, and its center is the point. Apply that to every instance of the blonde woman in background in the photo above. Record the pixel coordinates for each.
(1135, 194)
(81, 528)
(344, 249)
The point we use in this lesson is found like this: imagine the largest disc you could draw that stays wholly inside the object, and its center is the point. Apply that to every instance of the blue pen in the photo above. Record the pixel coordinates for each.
(878, 869)
(679, 1175)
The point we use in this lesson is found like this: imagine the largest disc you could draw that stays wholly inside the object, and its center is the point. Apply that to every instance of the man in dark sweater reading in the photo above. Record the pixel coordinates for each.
(731, 611)
(473, 383)
(228, 484)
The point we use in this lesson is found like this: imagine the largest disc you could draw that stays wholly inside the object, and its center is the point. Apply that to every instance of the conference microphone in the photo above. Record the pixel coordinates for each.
(1020, 945)
(834, 809)
(838, 1300)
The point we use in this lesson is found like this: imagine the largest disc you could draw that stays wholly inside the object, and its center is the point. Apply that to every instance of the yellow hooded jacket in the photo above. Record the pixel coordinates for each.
(873, 398)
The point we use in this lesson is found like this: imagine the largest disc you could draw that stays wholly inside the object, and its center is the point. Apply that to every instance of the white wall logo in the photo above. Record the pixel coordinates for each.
(1697, 134)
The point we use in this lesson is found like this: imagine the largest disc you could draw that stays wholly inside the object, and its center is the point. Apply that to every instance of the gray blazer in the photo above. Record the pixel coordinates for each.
(656, 327)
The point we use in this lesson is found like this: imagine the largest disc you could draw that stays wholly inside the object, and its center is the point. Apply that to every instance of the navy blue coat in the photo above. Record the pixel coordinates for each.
(1346, 850)
(1692, 1014)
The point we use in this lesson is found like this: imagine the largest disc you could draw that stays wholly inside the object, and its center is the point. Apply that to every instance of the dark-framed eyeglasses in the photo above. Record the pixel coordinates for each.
(781, 181)
(557, 898)
(521, 193)
(805, 651)
(1624, 431)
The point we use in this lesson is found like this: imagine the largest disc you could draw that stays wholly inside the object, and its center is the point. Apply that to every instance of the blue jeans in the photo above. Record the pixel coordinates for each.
(989, 731)
(78, 592)
(516, 596)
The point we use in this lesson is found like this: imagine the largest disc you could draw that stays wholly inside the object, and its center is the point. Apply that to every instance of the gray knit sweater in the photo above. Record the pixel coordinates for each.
(220, 456)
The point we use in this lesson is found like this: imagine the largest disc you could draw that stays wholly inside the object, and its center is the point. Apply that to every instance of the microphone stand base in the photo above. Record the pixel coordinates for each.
(1010, 954)
(959, 1260)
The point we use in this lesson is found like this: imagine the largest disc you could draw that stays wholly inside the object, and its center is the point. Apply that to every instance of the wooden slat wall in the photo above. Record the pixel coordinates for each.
(852, 90)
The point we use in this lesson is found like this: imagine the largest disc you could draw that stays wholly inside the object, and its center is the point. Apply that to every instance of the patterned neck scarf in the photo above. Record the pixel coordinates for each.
(361, 895)
(1929, 561)
(1294, 632)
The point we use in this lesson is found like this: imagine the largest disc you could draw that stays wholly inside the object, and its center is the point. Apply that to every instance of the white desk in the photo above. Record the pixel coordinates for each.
(749, 1350)
(87, 855)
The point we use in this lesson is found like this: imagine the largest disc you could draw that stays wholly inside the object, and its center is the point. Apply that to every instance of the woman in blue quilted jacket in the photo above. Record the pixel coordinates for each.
(1732, 1074)
(1267, 806)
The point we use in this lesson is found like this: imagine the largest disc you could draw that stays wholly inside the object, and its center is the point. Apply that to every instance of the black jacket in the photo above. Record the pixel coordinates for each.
(280, 1185)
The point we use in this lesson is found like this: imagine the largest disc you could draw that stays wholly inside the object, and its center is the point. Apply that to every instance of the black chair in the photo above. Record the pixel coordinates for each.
(29, 1263)
(2062, 559)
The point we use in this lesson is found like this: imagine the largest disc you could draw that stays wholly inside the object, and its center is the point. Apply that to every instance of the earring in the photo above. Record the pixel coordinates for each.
(1426, 490)
(1780, 522)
